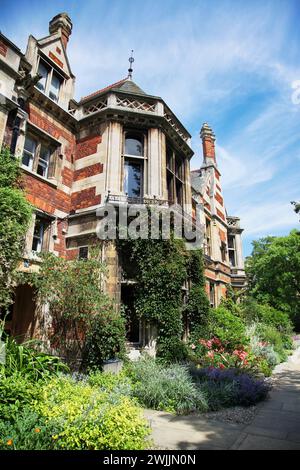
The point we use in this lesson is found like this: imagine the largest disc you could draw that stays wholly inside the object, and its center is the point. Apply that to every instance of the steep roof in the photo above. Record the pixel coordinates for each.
(126, 85)
(198, 180)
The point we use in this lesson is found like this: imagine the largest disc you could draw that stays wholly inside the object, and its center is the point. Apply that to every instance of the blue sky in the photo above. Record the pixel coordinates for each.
(230, 63)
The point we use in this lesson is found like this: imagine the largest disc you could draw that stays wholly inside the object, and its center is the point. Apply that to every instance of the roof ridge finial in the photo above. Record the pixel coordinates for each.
(130, 70)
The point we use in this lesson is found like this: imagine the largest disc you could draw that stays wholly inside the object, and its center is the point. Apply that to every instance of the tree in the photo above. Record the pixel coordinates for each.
(81, 314)
(15, 215)
(273, 270)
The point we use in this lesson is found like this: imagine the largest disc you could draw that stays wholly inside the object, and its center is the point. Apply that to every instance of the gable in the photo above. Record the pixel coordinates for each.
(54, 50)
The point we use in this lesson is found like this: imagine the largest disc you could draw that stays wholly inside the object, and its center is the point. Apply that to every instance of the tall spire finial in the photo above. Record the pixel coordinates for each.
(130, 70)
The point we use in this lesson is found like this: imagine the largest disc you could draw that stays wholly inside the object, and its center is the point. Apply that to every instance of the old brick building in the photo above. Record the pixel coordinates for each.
(117, 145)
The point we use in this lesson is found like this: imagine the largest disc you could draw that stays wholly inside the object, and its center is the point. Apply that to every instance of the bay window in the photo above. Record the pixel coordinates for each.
(133, 184)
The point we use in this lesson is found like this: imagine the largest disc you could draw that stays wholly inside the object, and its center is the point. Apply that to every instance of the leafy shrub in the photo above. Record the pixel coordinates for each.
(271, 335)
(252, 311)
(30, 362)
(106, 381)
(105, 340)
(165, 388)
(227, 327)
(229, 387)
(28, 431)
(16, 391)
(87, 418)
(262, 348)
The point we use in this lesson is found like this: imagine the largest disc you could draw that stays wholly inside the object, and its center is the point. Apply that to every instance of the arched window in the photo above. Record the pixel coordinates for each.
(134, 145)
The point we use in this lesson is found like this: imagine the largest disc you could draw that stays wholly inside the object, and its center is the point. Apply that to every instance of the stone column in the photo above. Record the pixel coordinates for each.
(154, 163)
(239, 251)
(114, 159)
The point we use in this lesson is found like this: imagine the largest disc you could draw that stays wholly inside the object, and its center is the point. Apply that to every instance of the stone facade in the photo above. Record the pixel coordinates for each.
(116, 145)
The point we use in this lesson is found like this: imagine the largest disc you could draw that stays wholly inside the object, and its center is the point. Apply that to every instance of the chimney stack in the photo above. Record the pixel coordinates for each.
(208, 143)
(61, 24)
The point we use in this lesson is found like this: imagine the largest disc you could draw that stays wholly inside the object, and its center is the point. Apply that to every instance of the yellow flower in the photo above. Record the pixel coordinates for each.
(37, 430)
(9, 442)
(55, 437)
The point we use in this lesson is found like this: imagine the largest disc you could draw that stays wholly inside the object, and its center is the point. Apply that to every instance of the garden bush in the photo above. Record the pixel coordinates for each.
(227, 327)
(28, 431)
(229, 387)
(252, 311)
(105, 340)
(16, 391)
(87, 418)
(168, 388)
(273, 337)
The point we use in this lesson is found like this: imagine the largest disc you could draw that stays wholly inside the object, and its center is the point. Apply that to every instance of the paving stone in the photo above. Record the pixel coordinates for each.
(267, 443)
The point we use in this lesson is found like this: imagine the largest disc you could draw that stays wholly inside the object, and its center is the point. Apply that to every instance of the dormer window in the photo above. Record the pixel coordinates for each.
(54, 87)
(43, 71)
(50, 81)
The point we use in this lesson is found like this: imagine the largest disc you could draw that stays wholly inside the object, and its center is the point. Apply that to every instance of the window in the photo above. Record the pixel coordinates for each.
(38, 235)
(50, 81)
(207, 237)
(43, 161)
(212, 294)
(29, 152)
(223, 251)
(39, 155)
(83, 252)
(133, 178)
(44, 72)
(231, 250)
(133, 165)
(175, 177)
(54, 87)
(134, 146)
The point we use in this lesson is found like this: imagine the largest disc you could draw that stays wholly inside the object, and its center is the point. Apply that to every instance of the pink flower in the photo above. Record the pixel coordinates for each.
(210, 354)
(221, 366)
(193, 346)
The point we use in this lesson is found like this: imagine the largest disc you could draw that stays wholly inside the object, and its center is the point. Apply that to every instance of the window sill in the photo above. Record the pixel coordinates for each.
(51, 181)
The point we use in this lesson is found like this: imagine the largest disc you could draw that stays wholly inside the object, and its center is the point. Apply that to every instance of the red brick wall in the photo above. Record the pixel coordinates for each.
(60, 244)
(220, 214)
(85, 198)
(3, 48)
(91, 170)
(219, 198)
(67, 176)
(208, 147)
(87, 146)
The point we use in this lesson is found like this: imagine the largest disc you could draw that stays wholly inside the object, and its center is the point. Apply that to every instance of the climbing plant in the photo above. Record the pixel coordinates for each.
(15, 215)
(162, 267)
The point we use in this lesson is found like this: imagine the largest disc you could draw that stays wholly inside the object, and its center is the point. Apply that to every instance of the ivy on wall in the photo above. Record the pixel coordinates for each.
(162, 268)
(15, 216)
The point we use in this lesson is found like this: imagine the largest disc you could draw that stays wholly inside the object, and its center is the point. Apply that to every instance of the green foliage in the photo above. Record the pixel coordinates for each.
(251, 311)
(165, 388)
(28, 431)
(269, 334)
(83, 316)
(274, 273)
(25, 359)
(105, 339)
(16, 390)
(15, 215)
(228, 327)
(161, 268)
(10, 169)
(87, 418)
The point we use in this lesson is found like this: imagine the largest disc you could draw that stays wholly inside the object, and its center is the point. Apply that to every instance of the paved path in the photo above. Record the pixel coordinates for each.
(275, 426)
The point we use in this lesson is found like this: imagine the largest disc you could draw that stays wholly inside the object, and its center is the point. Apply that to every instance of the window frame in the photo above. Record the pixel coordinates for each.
(175, 176)
(51, 72)
(140, 159)
(42, 142)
